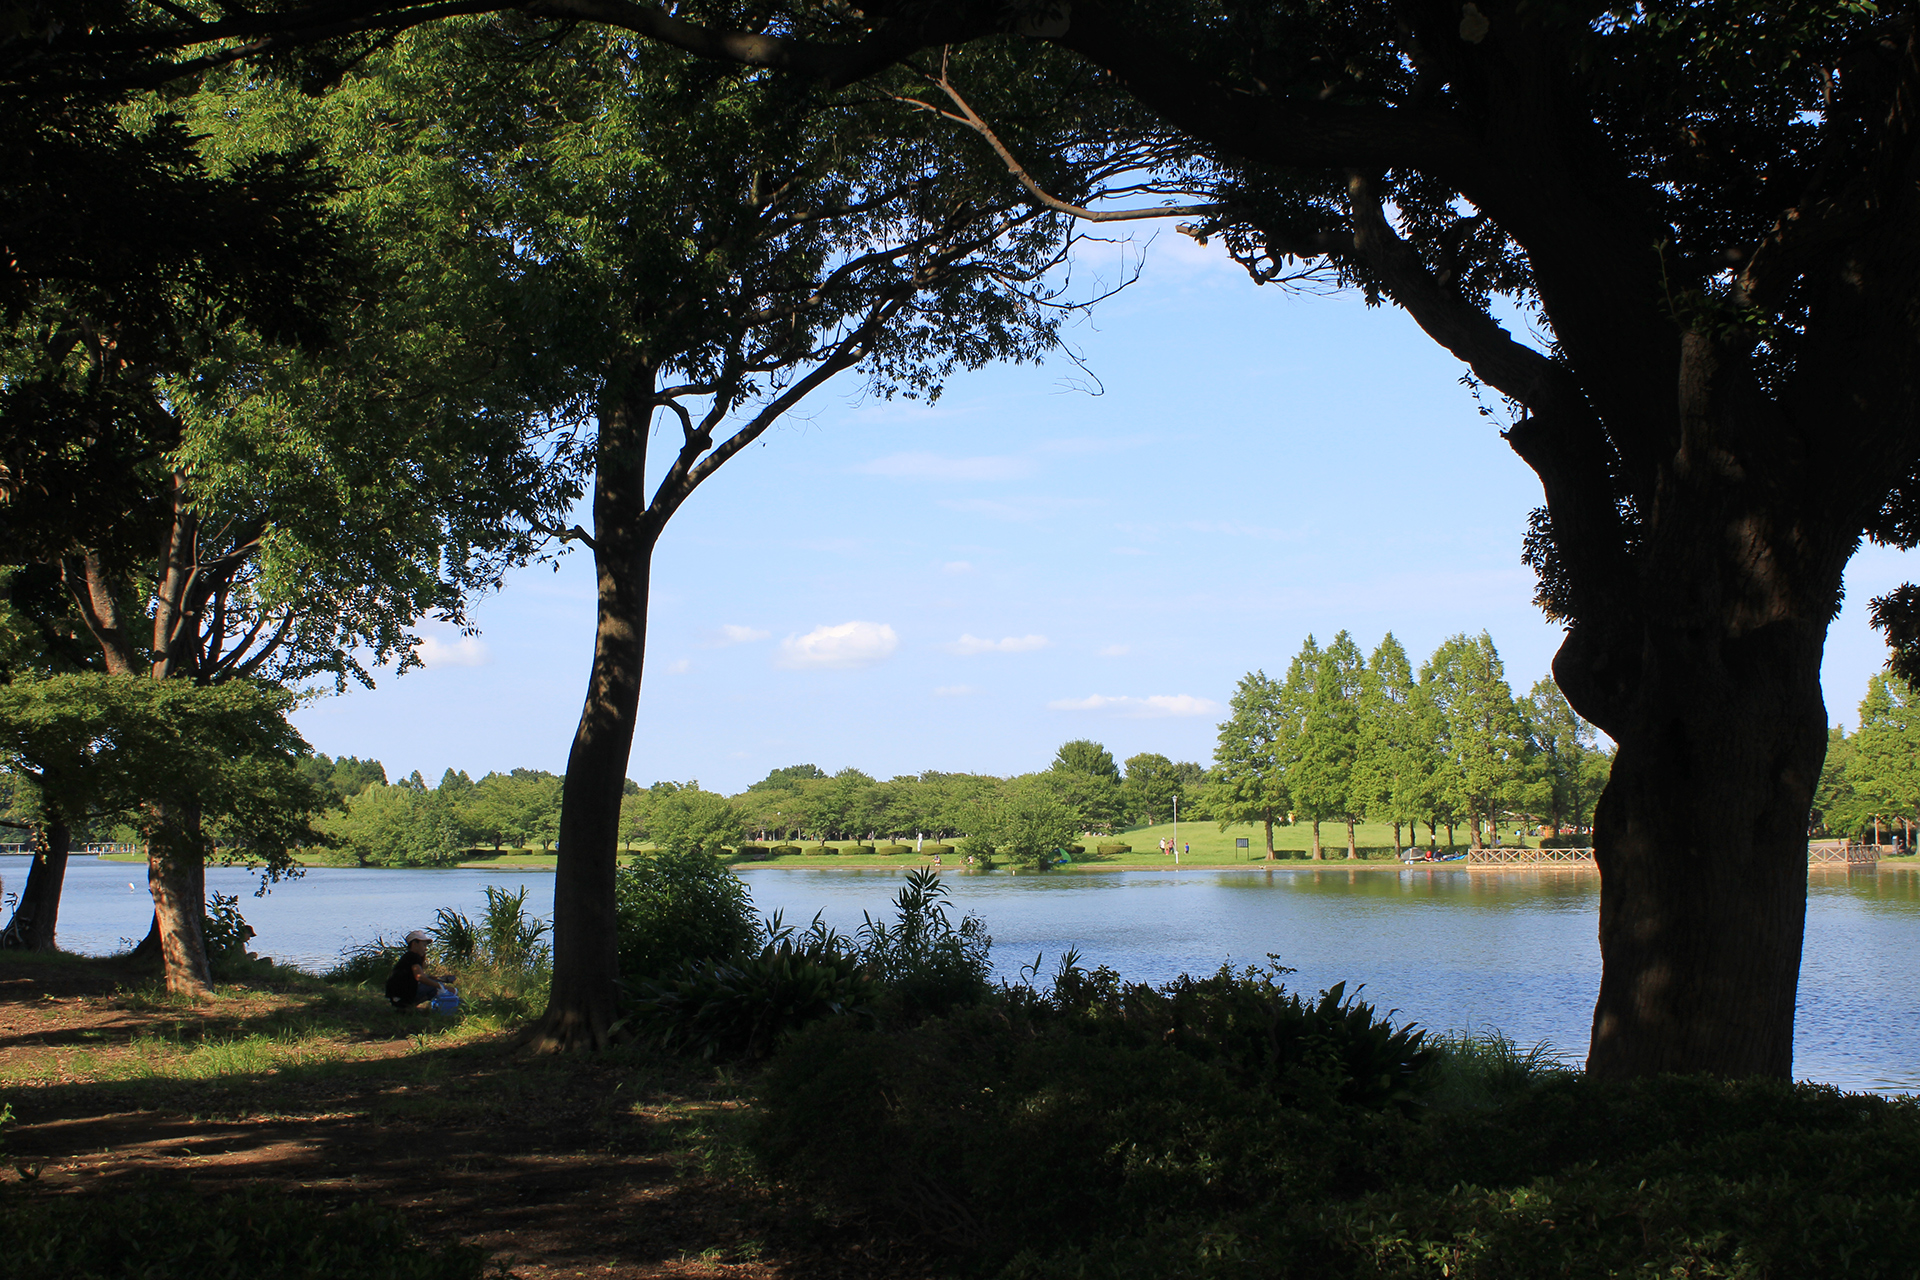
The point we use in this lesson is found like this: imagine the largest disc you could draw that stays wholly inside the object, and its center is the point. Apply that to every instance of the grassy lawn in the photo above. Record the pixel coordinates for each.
(620, 1164)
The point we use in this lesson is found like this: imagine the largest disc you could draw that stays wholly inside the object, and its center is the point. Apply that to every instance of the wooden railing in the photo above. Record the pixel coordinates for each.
(1845, 852)
(1508, 856)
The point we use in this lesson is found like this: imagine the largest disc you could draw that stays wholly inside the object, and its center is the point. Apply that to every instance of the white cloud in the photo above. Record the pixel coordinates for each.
(969, 644)
(847, 647)
(954, 690)
(932, 466)
(731, 633)
(1154, 707)
(679, 668)
(1115, 651)
(451, 649)
(957, 566)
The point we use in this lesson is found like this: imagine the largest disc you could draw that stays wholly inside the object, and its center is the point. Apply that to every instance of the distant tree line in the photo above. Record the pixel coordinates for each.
(1346, 738)
(1870, 784)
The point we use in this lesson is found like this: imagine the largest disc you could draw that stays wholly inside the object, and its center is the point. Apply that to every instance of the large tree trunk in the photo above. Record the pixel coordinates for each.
(37, 915)
(1352, 852)
(1701, 842)
(176, 877)
(586, 961)
(1269, 837)
(1317, 854)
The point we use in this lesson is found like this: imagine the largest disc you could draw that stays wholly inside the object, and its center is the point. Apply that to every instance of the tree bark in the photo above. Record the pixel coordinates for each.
(584, 993)
(1700, 840)
(1269, 837)
(38, 913)
(1352, 852)
(176, 877)
(1317, 854)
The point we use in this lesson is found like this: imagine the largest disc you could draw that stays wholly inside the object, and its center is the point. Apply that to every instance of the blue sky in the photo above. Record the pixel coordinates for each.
(965, 586)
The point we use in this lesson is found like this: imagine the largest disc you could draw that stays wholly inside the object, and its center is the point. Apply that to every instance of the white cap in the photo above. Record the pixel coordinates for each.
(419, 935)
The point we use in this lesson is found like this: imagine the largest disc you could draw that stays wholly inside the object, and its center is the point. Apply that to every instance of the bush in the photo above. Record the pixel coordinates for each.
(858, 848)
(742, 1008)
(174, 1234)
(927, 963)
(226, 934)
(676, 907)
(786, 851)
(893, 850)
(822, 850)
(937, 850)
(1108, 850)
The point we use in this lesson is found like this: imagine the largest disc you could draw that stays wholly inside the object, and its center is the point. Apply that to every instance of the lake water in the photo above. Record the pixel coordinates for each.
(1449, 948)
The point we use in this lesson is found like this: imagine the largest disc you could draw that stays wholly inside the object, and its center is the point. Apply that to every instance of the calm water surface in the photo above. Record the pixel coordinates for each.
(1449, 948)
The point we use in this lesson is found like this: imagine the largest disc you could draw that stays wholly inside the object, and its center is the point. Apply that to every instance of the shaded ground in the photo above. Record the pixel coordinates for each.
(619, 1165)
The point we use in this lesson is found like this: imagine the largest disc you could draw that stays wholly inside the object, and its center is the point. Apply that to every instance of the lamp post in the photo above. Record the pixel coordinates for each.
(1176, 831)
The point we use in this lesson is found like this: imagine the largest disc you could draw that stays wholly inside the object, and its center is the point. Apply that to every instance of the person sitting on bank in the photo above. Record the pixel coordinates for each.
(409, 985)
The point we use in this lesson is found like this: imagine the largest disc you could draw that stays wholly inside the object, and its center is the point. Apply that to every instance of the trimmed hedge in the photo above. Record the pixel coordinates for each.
(1107, 850)
(823, 849)
(786, 851)
(893, 850)
(858, 848)
(936, 850)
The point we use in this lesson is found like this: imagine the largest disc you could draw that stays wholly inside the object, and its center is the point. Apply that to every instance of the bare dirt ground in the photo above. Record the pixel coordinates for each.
(615, 1165)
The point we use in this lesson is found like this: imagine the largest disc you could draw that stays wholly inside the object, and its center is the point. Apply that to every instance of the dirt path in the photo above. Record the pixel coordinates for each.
(594, 1166)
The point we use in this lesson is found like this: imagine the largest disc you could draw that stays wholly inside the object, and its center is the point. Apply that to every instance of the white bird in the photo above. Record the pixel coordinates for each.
(131, 888)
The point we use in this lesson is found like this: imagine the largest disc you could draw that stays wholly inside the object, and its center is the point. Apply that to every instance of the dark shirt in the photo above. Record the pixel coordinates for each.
(403, 984)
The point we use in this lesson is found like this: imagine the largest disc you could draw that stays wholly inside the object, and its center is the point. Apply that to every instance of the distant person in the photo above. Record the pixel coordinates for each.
(409, 985)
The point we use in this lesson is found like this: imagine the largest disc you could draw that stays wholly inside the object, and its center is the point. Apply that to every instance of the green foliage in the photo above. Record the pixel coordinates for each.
(1029, 823)
(744, 1006)
(692, 820)
(927, 963)
(1248, 781)
(225, 932)
(164, 1233)
(676, 907)
(398, 826)
(116, 745)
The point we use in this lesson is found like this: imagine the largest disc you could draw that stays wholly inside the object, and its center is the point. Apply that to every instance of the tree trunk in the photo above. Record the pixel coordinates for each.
(1352, 853)
(1269, 837)
(1449, 837)
(1700, 838)
(38, 914)
(1396, 835)
(1317, 855)
(1473, 830)
(586, 957)
(177, 879)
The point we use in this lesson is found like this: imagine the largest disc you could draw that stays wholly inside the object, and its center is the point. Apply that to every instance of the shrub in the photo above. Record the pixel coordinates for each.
(174, 1234)
(823, 849)
(893, 850)
(676, 907)
(858, 848)
(937, 850)
(1108, 850)
(927, 963)
(742, 1008)
(226, 933)
(786, 851)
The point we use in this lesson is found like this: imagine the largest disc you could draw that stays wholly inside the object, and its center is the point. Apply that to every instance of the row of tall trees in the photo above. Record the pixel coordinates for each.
(1347, 738)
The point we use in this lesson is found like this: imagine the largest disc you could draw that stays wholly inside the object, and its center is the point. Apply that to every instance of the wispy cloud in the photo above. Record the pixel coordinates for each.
(954, 690)
(732, 633)
(970, 644)
(1158, 705)
(933, 466)
(1020, 510)
(846, 647)
(1115, 651)
(452, 649)
(679, 667)
(957, 566)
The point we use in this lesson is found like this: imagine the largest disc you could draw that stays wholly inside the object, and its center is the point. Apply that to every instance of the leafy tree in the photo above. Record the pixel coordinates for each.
(1088, 781)
(1151, 784)
(788, 778)
(692, 819)
(399, 826)
(1324, 778)
(1483, 745)
(1883, 766)
(202, 771)
(1248, 781)
(678, 905)
(1568, 751)
(1028, 823)
(1394, 759)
